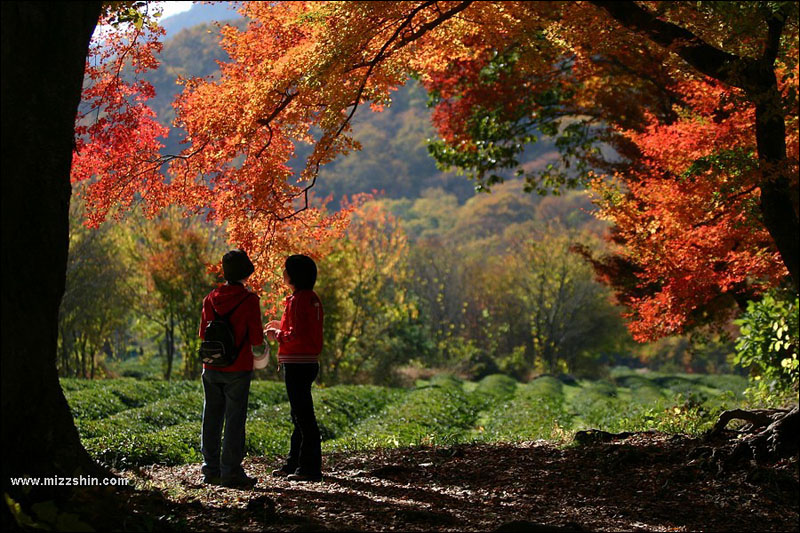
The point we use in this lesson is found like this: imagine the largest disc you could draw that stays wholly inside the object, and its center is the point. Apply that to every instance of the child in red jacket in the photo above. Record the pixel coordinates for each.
(299, 336)
(226, 389)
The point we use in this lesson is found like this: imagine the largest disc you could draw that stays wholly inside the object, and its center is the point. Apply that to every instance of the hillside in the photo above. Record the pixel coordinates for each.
(394, 158)
(200, 13)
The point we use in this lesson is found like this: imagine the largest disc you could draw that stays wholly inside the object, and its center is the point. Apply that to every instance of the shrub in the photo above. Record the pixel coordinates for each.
(134, 393)
(178, 444)
(185, 407)
(266, 393)
(442, 411)
(437, 413)
(536, 411)
(268, 430)
(74, 384)
(177, 408)
(594, 405)
(91, 403)
(725, 382)
(495, 388)
(546, 386)
(337, 409)
(768, 343)
(642, 389)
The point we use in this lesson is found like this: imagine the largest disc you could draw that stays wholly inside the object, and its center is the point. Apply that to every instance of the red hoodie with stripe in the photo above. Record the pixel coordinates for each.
(300, 335)
(246, 320)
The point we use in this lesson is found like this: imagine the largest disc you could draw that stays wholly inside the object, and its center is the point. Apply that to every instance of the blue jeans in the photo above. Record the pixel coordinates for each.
(305, 454)
(226, 395)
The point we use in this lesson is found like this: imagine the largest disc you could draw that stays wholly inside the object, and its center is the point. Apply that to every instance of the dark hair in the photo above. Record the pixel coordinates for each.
(236, 265)
(302, 271)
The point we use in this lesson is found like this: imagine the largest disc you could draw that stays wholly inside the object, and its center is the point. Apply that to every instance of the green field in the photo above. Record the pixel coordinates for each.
(124, 422)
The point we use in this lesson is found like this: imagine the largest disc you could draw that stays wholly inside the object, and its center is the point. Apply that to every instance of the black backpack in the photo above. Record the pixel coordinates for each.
(218, 347)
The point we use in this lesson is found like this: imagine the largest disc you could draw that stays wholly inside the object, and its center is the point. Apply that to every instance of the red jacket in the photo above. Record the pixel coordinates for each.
(300, 336)
(245, 320)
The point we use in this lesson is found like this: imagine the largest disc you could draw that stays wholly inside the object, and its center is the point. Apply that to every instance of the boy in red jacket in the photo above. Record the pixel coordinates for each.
(299, 336)
(226, 389)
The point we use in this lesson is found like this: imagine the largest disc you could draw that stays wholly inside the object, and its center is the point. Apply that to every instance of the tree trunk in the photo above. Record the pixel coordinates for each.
(65, 352)
(44, 47)
(776, 204)
(84, 340)
(169, 338)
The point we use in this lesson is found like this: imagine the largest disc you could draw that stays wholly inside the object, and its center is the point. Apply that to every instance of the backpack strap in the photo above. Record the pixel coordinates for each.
(227, 317)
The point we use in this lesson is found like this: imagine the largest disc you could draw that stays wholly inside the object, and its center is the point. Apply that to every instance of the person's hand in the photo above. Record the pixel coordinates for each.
(272, 334)
(262, 361)
(274, 324)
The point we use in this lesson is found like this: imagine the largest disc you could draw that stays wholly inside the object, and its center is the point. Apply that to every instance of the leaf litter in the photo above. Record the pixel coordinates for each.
(642, 482)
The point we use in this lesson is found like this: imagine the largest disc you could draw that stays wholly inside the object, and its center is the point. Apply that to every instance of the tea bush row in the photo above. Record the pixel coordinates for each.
(338, 409)
(268, 427)
(437, 412)
(443, 410)
(535, 411)
(97, 399)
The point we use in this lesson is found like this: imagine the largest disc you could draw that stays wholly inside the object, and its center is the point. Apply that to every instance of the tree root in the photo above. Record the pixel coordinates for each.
(770, 435)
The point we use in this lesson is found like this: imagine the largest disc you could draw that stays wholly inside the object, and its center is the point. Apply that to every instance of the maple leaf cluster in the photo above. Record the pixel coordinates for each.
(687, 216)
(116, 133)
(683, 190)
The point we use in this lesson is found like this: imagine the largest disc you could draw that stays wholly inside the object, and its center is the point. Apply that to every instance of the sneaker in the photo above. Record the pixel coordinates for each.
(211, 476)
(242, 481)
(283, 471)
(210, 479)
(304, 477)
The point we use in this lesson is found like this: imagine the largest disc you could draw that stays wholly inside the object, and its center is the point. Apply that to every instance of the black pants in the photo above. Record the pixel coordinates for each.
(305, 454)
(226, 395)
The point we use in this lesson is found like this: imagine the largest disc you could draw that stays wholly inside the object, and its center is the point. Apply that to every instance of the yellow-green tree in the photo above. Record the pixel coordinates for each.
(371, 323)
(173, 256)
(569, 315)
(97, 298)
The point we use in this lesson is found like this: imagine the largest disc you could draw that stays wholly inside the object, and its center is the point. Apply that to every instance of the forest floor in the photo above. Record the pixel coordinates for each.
(644, 482)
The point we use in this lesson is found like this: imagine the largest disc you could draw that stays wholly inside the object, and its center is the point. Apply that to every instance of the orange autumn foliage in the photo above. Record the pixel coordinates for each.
(687, 216)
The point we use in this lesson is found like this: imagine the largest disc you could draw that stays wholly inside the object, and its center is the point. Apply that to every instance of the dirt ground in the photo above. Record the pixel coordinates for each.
(645, 482)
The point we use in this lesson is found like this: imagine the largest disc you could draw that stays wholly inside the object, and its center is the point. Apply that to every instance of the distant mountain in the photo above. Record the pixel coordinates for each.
(394, 158)
(199, 14)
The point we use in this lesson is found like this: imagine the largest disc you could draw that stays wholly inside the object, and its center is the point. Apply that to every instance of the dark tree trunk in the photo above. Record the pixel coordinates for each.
(776, 204)
(44, 47)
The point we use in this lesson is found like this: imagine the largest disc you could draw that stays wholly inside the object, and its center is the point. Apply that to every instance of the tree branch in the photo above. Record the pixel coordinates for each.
(775, 25)
(709, 60)
(381, 55)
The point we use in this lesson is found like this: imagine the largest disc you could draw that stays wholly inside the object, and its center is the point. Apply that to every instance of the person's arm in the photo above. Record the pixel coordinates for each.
(204, 317)
(297, 323)
(306, 324)
(254, 328)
